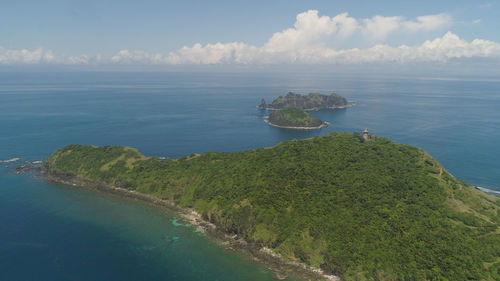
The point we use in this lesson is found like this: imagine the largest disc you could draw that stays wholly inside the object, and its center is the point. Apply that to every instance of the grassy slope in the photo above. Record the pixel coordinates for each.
(366, 211)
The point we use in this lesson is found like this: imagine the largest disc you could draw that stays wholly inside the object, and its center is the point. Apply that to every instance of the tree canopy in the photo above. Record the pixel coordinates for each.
(373, 210)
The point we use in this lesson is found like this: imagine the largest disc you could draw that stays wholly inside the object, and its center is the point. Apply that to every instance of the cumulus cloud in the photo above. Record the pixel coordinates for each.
(125, 56)
(215, 54)
(379, 28)
(309, 29)
(8, 56)
(441, 49)
(429, 22)
(37, 56)
(305, 43)
(313, 39)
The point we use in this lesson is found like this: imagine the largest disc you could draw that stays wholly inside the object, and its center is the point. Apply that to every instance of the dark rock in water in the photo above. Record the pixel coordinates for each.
(280, 275)
(171, 239)
(312, 101)
(28, 167)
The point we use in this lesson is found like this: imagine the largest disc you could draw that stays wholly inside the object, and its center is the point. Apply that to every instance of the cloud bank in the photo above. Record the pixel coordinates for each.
(313, 39)
(38, 56)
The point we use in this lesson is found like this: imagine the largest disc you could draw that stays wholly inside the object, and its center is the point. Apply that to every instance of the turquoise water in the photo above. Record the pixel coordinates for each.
(55, 232)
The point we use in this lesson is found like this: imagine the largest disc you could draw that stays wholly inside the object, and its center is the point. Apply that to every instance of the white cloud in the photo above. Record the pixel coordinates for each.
(125, 56)
(214, 53)
(441, 49)
(307, 41)
(81, 59)
(309, 29)
(37, 56)
(313, 39)
(378, 28)
(8, 56)
(427, 23)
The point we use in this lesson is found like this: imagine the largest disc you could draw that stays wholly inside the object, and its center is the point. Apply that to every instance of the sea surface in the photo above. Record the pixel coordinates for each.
(56, 232)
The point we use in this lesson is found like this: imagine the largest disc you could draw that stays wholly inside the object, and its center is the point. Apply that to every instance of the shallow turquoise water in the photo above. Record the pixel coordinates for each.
(55, 232)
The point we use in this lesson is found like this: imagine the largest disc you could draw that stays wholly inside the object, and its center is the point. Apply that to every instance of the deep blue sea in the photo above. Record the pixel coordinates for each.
(57, 232)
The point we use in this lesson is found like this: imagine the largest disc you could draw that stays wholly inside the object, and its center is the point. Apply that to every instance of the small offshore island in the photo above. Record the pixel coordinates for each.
(294, 118)
(355, 206)
(311, 101)
(289, 111)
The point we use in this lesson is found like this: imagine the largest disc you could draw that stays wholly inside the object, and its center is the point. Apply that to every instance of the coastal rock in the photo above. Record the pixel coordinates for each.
(28, 167)
(280, 275)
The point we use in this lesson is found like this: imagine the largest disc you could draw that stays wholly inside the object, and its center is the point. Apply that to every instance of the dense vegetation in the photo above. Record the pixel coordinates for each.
(293, 117)
(363, 210)
(311, 101)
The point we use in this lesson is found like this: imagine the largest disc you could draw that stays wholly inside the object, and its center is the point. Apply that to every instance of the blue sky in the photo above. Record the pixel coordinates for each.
(73, 32)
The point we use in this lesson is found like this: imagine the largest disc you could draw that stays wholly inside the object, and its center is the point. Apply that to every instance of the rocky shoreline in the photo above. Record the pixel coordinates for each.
(324, 124)
(280, 267)
(24, 168)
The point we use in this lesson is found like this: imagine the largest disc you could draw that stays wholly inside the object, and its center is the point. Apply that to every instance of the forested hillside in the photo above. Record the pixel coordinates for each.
(373, 210)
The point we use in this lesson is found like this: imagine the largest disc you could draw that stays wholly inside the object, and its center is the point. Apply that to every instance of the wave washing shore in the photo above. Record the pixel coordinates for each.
(494, 192)
(10, 160)
(324, 124)
(280, 267)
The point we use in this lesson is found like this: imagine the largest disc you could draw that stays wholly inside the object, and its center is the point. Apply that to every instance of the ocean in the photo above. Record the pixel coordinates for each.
(56, 232)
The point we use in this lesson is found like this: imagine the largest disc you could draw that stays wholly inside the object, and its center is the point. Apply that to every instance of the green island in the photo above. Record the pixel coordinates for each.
(362, 210)
(311, 101)
(294, 118)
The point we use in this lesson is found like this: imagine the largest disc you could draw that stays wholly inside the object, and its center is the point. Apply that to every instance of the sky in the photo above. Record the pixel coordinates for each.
(271, 32)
